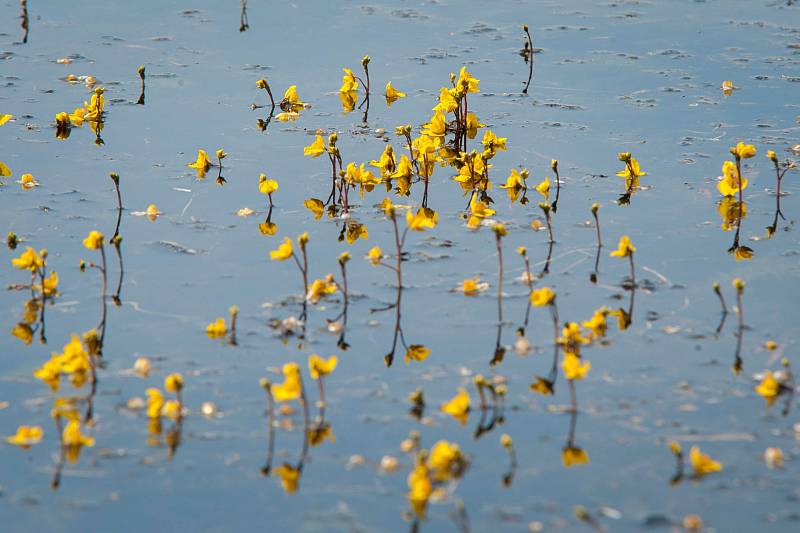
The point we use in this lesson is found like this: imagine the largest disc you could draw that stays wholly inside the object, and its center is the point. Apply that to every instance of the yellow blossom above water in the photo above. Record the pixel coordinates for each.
(155, 402)
(27, 181)
(542, 297)
(315, 206)
(315, 149)
(731, 181)
(349, 82)
(284, 251)
(624, 248)
(291, 388)
(26, 436)
(744, 151)
(633, 171)
(318, 366)
(173, 382)
(4, 170)
(702, 464)
(94, 240)
(422, 220)
(217, 329)
(375, 255)
(472, 286)
(392, 94)
(5, 118)
(458, 406)
(266, 185)
(768, 388)
(320, 288)
(201, 164)
(28, 260)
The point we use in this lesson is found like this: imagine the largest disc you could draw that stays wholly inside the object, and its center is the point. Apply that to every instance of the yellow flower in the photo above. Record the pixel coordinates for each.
(291, 98)
(74, 440)
(318, 366)
(268, 228)
(473, 125)
(62, 121)
(772, 156)
(731, 212)
(597, 324)
(424, 218)
(493, 142)
(515, 180)
(173, 382)
(315, 149)
(375, 255)
(702, 464)
(769, 388)
(318, 434)
(217, 329)
(5, 118)
(417, 352)
(466, 81)
(436, 127)
(315, 206)
(78, 116)
(500, 230)
(472, 286)
(290, 476)
(283, 252)
(355, 232)
(4, 170)
(28, 260)
(573, 368)
(634, 166)
(625, 248)
(349, 83)
(319, 288)
(744, 151)
(729, 185)
(26, 436)
(443, 459)
(287, 116)
(266, 185)
(386, 162)
(94, 240)
(572, 455)
(291, 387)
(542, 297)
(392, 94)
(27, 181)
(172, 409)
(544, 188)
(447, 102)
(458, 406)
(201, 163)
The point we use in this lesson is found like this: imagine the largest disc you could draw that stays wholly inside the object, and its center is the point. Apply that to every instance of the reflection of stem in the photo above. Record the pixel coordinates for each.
(633, 272)
(306, 426)
(61, 455)
(554, 369)
(737, 365)
(102, 326)
(321, 387)
(25, 21)
(528, 57)
(243, 22)
(498, 351)
(529, 282)
(558, 193)
(265, 470)
(573, 418)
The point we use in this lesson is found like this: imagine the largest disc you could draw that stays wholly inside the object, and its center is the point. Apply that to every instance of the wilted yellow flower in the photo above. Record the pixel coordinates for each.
(315, 149)
(375, 255)
(290, 476)
(625, 248)
(458, 406)
(284, 251)
(572, 455)
(573, 368)
(542, 297)
(291, 387)
(94, 240)
(23, 332)
(315, 206)
(417, 352)
(318, 366)
(542, 386)
(173, 382)
(26, 436)
(702, 464)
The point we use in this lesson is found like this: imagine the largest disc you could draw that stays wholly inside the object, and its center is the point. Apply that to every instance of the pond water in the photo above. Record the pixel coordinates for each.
(606, 77)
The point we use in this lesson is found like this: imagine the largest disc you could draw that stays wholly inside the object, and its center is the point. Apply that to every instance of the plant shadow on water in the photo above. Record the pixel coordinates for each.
(651, 365)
